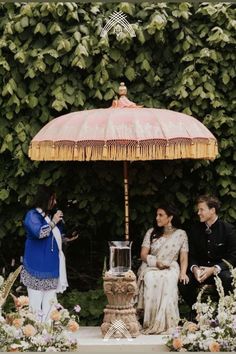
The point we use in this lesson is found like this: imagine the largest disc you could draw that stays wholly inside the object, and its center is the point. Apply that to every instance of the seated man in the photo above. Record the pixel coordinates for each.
(211, 241)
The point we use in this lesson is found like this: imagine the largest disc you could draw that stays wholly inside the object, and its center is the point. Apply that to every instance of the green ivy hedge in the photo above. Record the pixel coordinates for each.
(53, 61)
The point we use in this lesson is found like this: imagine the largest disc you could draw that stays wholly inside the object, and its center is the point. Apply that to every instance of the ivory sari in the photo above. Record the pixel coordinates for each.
(158, 289)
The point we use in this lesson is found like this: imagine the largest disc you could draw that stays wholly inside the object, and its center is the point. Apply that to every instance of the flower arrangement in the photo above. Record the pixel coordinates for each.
(21, 330)
(215, 330)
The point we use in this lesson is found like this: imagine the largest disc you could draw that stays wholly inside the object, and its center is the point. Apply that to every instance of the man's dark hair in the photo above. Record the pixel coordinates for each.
(211, 202)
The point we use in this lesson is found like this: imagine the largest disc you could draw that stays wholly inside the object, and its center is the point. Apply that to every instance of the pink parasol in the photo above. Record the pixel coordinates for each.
(126, 132)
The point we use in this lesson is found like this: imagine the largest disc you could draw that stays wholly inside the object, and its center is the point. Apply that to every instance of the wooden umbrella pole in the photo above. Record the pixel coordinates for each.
(126, 195)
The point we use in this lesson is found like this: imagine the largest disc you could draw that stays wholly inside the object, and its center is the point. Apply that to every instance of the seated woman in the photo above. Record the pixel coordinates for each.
(160, 272)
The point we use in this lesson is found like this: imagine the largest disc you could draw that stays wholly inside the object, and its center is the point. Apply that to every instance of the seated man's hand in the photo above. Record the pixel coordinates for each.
(197, 273)
(206, 272)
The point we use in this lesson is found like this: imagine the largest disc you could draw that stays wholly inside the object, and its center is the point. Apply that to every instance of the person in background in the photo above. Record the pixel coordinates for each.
(160, 272)
(211, 241)
(44, 268)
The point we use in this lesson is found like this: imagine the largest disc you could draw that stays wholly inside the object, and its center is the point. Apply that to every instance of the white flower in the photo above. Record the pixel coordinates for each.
(191, 337)
(24, 344)
(1, 281)
(39, 340)
(207, 333)
(64, 314)
(77, 308)
(222, 317)
(31, 316)
(52, 349)
(219, 330)
(44, 332)
(13, 331)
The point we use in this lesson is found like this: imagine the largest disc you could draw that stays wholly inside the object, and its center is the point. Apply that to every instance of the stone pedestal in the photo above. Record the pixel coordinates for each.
(119, 315)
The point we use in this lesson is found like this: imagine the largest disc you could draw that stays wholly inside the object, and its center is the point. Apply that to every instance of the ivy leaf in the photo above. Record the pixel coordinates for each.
(140, 35)
(22, 136)
(182, 197)
(30, 73)
(58, 105)
(130, 73)
(40, 28)
(186, 45)
(109, 95)
(55, 28)
(40, 65)
(209, 87)
(18, 27)
(32, 101)
(4, 64)
(24, 21)
(65, 45)
(77, 36)
(98, 94)
(4, 194)
(145, 65)
(115, 54)
(225, 78)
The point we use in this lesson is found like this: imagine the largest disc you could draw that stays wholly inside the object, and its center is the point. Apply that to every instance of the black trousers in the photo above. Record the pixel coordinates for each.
(189, 291)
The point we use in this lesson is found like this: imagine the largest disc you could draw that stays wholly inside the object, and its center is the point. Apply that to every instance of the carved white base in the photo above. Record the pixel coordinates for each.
(120, 319)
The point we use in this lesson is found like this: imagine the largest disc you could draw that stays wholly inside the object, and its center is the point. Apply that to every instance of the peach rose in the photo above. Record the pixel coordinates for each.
(73, 326)
(192, 327)
(29, 330)
(214, 347)
(23, 300)
(55, 315)
(14, 348)
(20, 301)
(17, 322)
(177, 343)
(16, 301)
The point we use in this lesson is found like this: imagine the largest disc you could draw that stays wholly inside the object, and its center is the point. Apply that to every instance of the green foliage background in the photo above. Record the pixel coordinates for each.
(54, 61)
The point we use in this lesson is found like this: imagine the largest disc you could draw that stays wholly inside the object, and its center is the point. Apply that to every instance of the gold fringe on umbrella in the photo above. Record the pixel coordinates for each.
(70, 151)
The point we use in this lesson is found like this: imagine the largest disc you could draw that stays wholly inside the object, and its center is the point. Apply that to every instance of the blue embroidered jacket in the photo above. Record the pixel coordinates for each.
(41, 257)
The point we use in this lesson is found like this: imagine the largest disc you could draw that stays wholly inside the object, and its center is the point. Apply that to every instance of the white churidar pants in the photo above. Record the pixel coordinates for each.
(42, 303)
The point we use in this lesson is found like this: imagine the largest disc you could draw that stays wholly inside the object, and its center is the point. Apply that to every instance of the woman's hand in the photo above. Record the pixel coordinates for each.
(74, 237)
(57, 217)
(162, 265)
(183, 278)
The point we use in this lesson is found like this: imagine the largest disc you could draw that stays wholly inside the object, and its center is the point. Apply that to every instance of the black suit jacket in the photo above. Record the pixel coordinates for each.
(210, 250)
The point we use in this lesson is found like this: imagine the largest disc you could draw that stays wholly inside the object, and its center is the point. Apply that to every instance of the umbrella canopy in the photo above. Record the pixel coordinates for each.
(125, 132)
